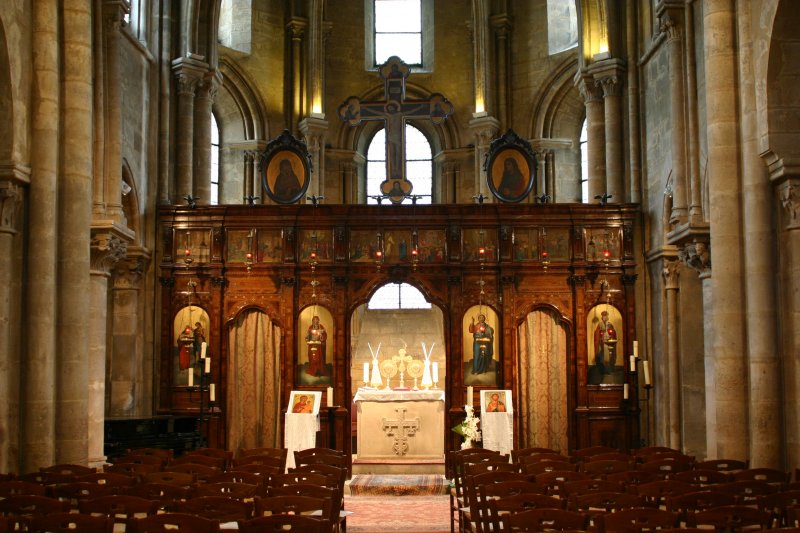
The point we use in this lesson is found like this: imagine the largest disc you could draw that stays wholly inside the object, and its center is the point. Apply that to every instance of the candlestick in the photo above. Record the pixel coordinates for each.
(435, 372)
(208, 365)
(203, 347)
(191, 377)
(366, 373)
(633, 363)
(636, 349)
(469, 395)
(330, 396)
(212, 393)
(646, 366)
(625, 391)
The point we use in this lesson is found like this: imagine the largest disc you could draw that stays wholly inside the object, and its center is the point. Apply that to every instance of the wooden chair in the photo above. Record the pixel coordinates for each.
(518, 453)
(656, 493)
(778, 504)
(599, 469)
(633, 477)
(491, 510)
(341, 461)
(611, 456)
(691, 502)
(201, 472)
(768, 475)
(702, 477)
(636, 520)
(269, 460)
(544, 520)
(674, 455)
(131, 469)
(219, 508)
(158, 452)
(459, 460)
(174, 522)
(282, 523)
(585, 486)
(548, 466)
(665, 467)
(266, 471)
(110, 479)
(747, 492)
(198, 459)
(582, 454)
(70, 523)
(47, 478)
(647, 451)
(539, 457)
(74, 493)
(121, 508)
(228, 489)
(218, 453)
(23, 507)
(731, 518)
(179, 479)
(311, 478)
(69, 469)
(555, 482)
(596, 504)
(161, 462)
(473, 505)
(722, 465)
(7, 488)
(161, 492)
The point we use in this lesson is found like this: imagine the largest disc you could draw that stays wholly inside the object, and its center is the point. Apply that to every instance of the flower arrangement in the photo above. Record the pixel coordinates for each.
(469, 428)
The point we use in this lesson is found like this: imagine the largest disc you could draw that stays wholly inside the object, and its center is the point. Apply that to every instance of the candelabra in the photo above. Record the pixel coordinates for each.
(206, 394)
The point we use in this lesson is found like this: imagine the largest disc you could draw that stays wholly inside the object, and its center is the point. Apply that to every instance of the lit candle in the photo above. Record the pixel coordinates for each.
(636, 348)
(366, 372)
(203, 347)
(435, 372)
(191, 377)
(330, 396)
(625, 391)
(212, 393)
(208, 365)
(469, 395)
(646, 366)
(633, 363)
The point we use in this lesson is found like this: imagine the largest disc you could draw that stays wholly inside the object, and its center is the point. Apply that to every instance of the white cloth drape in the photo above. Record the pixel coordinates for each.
(497, 430)
(301, 434)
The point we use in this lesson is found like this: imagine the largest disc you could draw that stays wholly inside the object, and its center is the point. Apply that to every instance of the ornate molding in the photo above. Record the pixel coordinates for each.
(697, 255)
(107, 249)
(671, 273)
(589, 90)
(610, 85)
(297, 27)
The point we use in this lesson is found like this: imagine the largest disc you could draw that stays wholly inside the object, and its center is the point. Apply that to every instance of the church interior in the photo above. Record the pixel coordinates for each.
(216, 215)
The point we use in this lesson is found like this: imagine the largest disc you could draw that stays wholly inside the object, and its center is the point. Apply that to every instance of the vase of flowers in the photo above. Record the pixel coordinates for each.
(469, 428)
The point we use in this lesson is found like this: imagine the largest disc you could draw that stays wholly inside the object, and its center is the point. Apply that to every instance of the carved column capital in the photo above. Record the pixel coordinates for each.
(297, 27)
(11, 195)
(128, 272)
(669, 26)
(589, 90)
(107, 249)
(789, 194)
(671, 273)
(502, 25)
(610, 85)
(697, 255)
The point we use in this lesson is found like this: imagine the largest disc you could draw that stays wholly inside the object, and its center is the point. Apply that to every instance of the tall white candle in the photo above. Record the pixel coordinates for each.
(636, 348)
(646, 367)
(208, 365)
(435, 372)
(203, 347)
(366, 373)
(469, 395)
(330, 396)
(191, 377)
(633, 363)
(625, 391)
(212, 393)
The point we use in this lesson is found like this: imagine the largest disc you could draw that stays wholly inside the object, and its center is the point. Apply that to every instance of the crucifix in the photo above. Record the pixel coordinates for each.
(400, 360)
(400, 429)
(394, 110)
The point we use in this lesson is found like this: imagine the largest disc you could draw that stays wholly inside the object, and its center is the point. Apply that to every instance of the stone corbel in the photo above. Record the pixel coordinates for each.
(697, 255)
(128, 272)
(11, 195)
(109, 245)
(789, 194)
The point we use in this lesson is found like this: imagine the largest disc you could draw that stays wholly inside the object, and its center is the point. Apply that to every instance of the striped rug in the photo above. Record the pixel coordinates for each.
(385, 514)
(398, 485)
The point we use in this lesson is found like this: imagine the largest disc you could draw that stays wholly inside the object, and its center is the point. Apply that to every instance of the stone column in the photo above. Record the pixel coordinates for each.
(75, 195)
(671, 273)
(314, 130)
(204, 98)
(297, 27)
(316, 64)
(634, 118)
(692, 119)
(109, 245)
(480, 53)
(37, 442)
(728, 344)
(610, 81)
(484, 129)
(502, 28)
(250, 179)
(188, 75)
(165, 157)
(113, 13)
(595, 136)
(541, 176)
(550, 173)
(11, 200)
(670, 26)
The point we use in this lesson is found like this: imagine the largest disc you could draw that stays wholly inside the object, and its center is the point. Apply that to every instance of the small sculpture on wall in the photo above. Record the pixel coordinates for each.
(315, 333)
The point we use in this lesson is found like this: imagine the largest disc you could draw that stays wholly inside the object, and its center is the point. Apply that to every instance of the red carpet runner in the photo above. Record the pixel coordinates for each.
(387, 514)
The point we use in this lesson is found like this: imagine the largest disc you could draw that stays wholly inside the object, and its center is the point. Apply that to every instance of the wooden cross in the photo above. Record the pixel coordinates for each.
(400, 429)
(395, 110)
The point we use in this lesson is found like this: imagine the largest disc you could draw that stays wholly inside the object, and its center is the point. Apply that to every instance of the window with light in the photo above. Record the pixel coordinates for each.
(419, 165)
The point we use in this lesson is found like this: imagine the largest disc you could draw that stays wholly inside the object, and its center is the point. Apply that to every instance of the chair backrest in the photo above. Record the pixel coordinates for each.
(731, 518)
(656, 493)
(770, 475)
(665, 467)
(637, 519)
(201, 472)
(228, 489)
(274, 452)
(131, 469)
(556, 481)
(7, 488)
(71, 469)
(748, 491)
(262, 470)
(219, 508)
(652, 450)
(723, 465)
(602, 468)
(47, 478)
(544, 520)
(180, 479)
(779, 504)
(607, 502)
(78, 491)
(31, 505)
(142, 459)
(161, 492)
(582, 453)
(691, 502)
(548, 466)
(110, 479)
(539, 457)
(200, 459)
(295, 504)
(269, 460)
(702, 477)
(120, 507)
(634, 477)
(174, 522)
(336, 460)
(282, 523)
(159, 452)
(584, 486)
(70, 523)
(219, 453)
(311, 478)
(302, 489)
(611, 456)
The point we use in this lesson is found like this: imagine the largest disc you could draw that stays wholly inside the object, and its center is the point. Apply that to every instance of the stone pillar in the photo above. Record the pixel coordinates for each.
(671, 273)
(109, 245)
(188, 76)
(634, 118)
(480, 52)
(204, 98)
(297, 27)
(316, 64)
(37, 442)
(11, 200)
(126, 360)
(113, 13)
(550, 173)
(165, 157)
(541, 176)
(75, 195)
(502, 28)
(728, 344)
(314, 130)
(670, 25)
(249, 174)
(610, 81)
(692, 119)
(484, 129)
(595, 136)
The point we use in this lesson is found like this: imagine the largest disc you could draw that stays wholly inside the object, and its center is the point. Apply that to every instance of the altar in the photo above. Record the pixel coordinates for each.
(400, 427)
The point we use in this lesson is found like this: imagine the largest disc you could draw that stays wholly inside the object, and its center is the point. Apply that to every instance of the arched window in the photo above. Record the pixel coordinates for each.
(584, 165)
(398, 296)
(562, 25)
(214, 161)
(419, 165)
(402, 28)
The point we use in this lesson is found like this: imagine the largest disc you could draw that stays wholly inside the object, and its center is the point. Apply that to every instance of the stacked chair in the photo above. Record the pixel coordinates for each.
(150, 490)
(602, 490)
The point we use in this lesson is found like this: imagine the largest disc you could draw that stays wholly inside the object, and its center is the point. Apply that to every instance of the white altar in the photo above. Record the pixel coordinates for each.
(400, 427)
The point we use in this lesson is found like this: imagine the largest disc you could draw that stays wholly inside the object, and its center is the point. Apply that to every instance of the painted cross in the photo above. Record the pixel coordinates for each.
(394, 110)
(401, 429)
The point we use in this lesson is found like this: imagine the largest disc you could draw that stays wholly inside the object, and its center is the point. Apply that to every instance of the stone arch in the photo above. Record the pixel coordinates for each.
(198, 30)
(130, 202)
(6, 102)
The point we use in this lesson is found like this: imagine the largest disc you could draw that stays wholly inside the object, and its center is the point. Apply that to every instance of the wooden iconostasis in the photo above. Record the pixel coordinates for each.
(279, 296)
